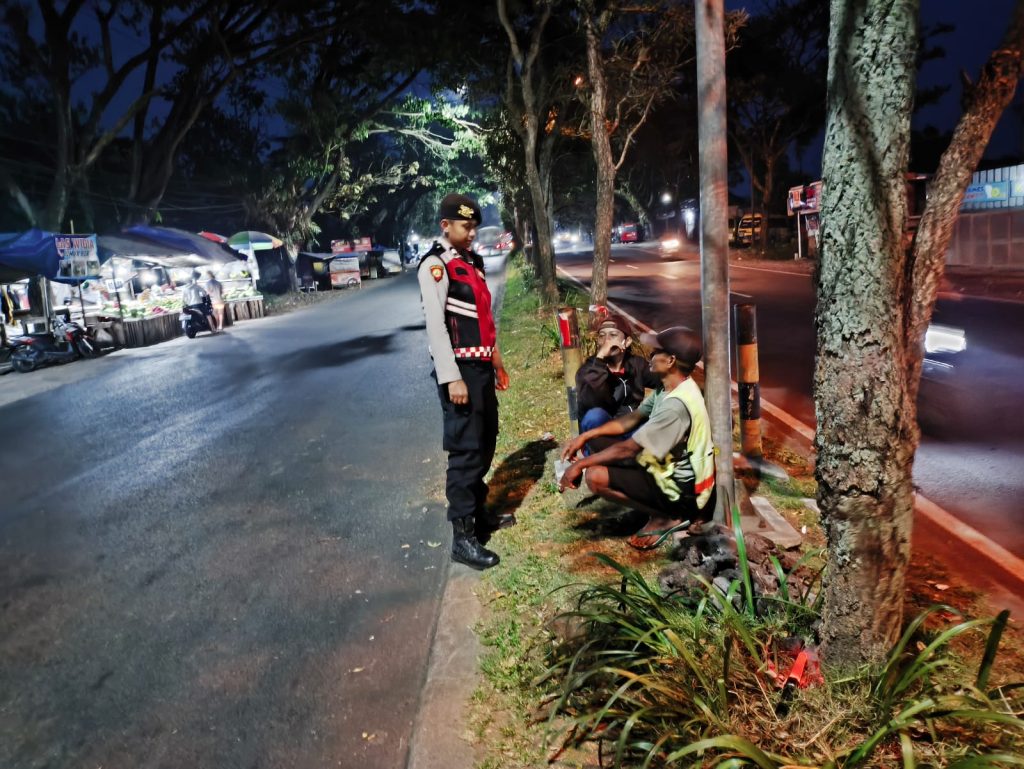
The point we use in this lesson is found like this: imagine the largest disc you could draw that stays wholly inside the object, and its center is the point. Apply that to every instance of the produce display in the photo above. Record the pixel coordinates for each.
(248, 291)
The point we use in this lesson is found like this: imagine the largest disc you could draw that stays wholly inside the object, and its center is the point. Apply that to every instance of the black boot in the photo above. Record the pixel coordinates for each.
(465, 547)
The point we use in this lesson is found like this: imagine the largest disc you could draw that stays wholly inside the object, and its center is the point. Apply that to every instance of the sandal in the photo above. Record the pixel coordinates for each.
(660, 536)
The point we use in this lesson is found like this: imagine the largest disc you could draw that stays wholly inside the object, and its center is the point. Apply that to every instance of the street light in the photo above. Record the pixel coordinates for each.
(666, 198)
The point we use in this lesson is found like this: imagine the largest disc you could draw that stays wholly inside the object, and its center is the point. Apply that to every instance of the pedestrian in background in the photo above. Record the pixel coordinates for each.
(216, 291)
(468, 368)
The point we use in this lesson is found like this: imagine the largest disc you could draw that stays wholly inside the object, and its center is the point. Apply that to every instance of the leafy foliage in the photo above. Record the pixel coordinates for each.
(661, 681)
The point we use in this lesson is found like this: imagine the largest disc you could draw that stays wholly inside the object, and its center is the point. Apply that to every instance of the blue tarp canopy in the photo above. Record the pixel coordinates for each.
(186, 244)
(32, 253)
(27, 254)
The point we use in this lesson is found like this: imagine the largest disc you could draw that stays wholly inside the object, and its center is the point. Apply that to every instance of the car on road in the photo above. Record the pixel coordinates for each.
(492, 241)
(670, 245)
(626, 233)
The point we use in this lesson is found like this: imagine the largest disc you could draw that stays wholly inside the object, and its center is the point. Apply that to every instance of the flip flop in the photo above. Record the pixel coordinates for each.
(660, 536)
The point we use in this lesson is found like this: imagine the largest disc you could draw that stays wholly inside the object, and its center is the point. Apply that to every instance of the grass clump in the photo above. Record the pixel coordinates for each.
(657, 680)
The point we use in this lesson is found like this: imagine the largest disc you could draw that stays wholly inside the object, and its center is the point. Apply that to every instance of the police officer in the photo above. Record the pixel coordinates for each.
(468, 368)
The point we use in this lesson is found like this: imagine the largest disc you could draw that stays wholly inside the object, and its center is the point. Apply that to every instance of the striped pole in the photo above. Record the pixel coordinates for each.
(748, 379)
(569, 336)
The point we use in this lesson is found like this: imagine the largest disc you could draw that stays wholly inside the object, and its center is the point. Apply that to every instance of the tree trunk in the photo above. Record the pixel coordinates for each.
(600, 143)
(544, 253)
(866, 433)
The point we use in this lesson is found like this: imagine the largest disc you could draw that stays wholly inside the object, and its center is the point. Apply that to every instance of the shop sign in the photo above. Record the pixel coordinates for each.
(803, 199)
(988, 192)
(79, 256)
(348, 246)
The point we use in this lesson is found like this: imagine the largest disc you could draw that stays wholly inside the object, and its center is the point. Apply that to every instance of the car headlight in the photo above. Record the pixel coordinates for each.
(670, 244)
(944, 339)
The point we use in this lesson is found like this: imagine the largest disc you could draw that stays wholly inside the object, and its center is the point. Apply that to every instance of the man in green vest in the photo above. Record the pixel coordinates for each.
(667, 468)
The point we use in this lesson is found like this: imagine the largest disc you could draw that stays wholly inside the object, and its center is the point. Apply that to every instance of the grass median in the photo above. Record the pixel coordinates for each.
(552, 698)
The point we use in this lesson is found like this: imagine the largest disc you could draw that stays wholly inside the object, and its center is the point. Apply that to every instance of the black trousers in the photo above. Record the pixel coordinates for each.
(470, 437)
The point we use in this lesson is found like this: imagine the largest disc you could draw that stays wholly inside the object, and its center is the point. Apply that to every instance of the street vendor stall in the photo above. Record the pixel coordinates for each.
(146, 270)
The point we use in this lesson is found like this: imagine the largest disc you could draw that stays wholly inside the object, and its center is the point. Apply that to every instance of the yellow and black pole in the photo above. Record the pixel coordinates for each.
(748, 379)
(569, 337)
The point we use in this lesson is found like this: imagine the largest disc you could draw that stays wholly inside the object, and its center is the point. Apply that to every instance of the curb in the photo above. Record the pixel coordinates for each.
(452, 676)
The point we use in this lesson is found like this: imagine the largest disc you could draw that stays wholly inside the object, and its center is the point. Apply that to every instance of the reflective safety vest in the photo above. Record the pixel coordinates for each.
(699, 454)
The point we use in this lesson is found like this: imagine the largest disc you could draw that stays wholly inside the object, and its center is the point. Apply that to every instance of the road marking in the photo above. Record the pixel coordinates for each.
(670, 277)
(737, 293)
(953, 295)
(632, 267)
(764, 269)
(955, 527)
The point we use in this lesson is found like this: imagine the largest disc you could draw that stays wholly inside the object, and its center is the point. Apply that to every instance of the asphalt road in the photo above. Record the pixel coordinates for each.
(971, 459)
(228, 551)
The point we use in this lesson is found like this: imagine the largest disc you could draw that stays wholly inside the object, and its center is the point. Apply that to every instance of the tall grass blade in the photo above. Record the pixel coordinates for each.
(728, 742)
(781, 576)
(988, 761)
(991, 647)
(907, 749)
(744, 564)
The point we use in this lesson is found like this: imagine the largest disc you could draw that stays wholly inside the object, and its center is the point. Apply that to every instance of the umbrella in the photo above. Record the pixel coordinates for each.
(254, 241)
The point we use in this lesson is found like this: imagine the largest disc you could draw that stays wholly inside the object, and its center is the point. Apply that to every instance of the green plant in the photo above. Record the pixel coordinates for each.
(662, 681)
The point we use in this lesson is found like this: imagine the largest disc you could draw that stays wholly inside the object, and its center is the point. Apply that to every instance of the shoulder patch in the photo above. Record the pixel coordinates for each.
(436, 272)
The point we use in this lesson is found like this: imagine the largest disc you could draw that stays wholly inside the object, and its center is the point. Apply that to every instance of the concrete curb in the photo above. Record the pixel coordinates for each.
(437, 742)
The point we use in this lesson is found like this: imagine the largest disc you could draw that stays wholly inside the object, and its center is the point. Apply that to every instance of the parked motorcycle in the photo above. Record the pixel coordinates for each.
(197, 317)
(68, 341)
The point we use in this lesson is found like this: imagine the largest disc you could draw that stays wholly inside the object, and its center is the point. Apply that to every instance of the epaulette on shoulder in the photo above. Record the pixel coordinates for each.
(436, 250)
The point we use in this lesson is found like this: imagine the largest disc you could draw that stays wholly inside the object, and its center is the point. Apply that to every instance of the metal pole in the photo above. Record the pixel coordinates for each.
(748, 379)
(799, 236)
(569, 336)
(714, 244)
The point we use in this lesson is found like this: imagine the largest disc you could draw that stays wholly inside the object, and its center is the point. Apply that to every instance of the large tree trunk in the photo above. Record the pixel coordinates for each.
(600, 143)
(527, 120)
(866, 433)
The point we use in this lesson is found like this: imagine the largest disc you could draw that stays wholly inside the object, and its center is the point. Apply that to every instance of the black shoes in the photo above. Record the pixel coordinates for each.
(467, 549)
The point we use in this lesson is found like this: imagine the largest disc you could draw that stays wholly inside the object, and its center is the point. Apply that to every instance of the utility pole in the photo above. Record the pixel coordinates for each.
(714, 244)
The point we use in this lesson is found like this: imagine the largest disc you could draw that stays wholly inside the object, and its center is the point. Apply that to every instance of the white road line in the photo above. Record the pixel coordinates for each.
(632, 267)
(954, 295)
(763, 269)
(737, 293)
(930, 510)
(670, 277)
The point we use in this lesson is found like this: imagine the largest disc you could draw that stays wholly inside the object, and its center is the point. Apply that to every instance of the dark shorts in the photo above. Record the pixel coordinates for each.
(636, 483)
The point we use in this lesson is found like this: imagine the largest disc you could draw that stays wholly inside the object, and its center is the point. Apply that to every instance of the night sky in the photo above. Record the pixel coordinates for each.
(980, 26)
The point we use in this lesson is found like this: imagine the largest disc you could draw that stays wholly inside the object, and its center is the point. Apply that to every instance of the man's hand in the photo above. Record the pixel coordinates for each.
(501, 379)
(458, 393)
(608, 349)
(572, 448)
(571, 477)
